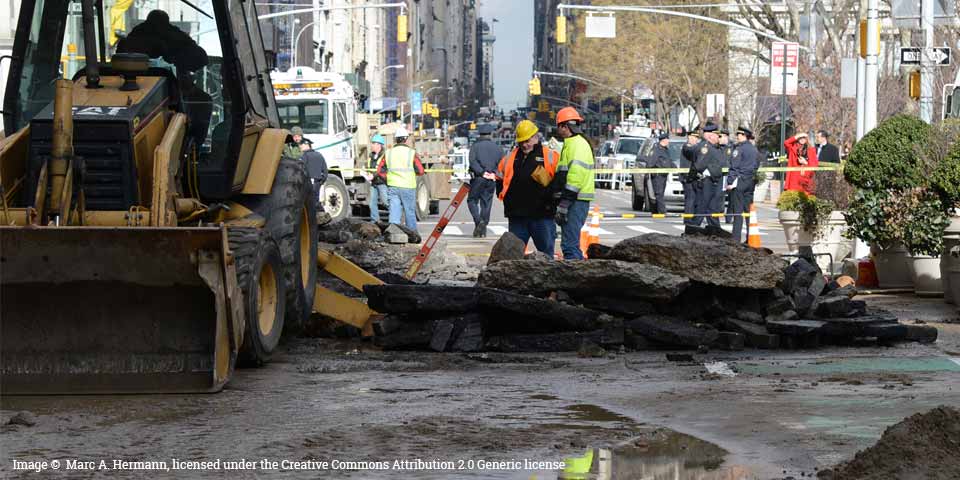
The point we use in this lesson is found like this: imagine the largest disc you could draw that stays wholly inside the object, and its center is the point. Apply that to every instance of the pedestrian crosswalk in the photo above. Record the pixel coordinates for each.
(615, 229)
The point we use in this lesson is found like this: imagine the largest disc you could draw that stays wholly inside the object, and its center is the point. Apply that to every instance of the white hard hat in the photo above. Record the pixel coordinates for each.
(401, 132)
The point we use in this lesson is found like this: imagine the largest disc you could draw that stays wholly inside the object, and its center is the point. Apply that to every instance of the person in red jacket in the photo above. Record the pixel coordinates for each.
(800, 154)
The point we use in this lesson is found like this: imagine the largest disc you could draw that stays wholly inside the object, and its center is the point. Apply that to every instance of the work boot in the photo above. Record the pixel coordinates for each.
(483, 229)
(476, 230)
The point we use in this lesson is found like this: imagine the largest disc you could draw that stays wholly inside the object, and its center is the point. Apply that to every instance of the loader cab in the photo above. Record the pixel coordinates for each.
(228, 101)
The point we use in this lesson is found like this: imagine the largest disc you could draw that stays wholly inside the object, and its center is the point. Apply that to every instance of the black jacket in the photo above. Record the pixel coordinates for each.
(167, 41)
(661, 159)
(828, 152)
(743, 166)
(526, 198)
(316, 165)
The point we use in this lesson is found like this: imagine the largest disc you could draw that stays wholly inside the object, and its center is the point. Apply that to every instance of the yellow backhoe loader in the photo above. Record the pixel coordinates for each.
(153, 231)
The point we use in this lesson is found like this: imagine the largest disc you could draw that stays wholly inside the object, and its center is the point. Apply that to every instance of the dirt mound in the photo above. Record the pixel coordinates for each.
(923, 446)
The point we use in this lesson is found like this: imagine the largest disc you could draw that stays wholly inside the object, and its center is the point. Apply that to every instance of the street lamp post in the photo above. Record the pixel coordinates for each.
(296, 42)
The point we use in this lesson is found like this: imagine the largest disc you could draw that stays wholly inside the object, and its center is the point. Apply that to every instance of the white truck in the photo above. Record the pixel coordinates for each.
(325, 107)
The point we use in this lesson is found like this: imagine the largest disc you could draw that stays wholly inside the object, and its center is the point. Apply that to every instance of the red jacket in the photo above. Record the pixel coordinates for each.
(798, 180)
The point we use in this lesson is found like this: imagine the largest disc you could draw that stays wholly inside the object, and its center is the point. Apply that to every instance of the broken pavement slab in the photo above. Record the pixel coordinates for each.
(757, 336)
(607, 277)
(508, 247)
(671, 331)
(794, 327)
(395, 235)
(703, 259)
(521, 314)
(421, 298)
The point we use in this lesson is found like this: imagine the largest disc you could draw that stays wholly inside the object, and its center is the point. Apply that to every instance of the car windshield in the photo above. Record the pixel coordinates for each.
(676, 156)
(629, 146)
(310, 115)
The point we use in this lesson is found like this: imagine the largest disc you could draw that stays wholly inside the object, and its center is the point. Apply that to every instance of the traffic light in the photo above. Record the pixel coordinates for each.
(561, 29)
(401, 28)
(863, 39)
(534, 85)
(914, 85)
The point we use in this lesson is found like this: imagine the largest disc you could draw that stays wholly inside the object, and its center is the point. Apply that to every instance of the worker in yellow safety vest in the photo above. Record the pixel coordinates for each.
(400, 167)
(523, 180)
(573, 184)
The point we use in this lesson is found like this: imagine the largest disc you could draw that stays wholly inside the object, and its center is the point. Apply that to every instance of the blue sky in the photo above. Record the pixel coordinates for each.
(513, 50)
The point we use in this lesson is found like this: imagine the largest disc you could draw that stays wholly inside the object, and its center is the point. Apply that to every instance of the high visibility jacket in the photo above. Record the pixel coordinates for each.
(400, 169)
(505, 169)
(576, 160)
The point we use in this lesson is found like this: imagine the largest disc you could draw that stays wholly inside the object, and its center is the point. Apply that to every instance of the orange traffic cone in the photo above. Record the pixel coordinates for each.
(753, 237)
(584, 239)
(594, 233)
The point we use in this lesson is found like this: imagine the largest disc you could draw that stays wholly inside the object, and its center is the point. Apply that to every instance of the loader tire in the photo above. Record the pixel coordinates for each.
(291, 213)
(260, 278)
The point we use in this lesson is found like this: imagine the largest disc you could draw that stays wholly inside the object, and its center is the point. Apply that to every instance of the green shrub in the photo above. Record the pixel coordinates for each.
(941, 155)
(868, 219)
(886, 158)
(915, 218)
(814, 212)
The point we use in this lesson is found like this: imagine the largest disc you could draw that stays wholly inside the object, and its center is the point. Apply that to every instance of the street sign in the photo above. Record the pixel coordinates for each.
(416, 103)
(940, 55)
(910, 55)
(601, 26)
(715, 105)
(914, 55)
(848, 78)
(785, 60)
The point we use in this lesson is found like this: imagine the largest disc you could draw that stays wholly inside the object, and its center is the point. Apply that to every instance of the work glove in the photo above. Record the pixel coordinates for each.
(561, 216)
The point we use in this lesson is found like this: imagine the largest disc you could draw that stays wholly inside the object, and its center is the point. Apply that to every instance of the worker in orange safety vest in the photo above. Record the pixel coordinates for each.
(523, 180)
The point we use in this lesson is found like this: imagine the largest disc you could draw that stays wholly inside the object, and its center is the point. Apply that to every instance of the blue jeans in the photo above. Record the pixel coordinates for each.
(570, 231)
(377, 193)
(542, 230)
(403, 203)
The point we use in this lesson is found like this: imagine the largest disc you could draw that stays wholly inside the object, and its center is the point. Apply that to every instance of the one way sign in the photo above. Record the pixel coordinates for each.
(914, 55)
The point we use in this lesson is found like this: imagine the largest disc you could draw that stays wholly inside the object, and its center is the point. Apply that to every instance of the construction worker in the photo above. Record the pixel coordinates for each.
(378, 185)
(573, 185)
(523, 185)
(400, 167)
(292, 150)
(484, 157)
(661, 159)
(741, 180)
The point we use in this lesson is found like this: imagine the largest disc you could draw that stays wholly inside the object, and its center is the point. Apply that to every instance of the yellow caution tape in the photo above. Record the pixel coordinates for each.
(820, 168)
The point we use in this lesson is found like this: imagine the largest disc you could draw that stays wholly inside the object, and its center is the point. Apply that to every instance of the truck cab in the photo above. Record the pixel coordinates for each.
(324, 106)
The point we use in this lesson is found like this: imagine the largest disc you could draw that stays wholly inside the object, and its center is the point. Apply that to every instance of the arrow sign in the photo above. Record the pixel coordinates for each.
(940, 55)
(910, 55)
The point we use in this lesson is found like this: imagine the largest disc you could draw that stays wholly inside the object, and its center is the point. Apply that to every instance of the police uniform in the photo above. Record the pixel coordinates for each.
(718, 200)
(661, 159)
(690, 180)
(709, 170)
(742, 179)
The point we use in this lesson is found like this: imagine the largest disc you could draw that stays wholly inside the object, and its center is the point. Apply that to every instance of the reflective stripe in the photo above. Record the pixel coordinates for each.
(572, 188)
(401, 171)
(563, 168)
(585, 196)
(588, 166)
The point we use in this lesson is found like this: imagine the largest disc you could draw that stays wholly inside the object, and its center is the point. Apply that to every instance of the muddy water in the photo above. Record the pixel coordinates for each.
(475, 416)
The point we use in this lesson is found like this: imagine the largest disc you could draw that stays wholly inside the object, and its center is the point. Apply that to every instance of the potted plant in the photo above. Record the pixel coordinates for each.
(919, 221)
(882, 166)
(942, 155)
(811, 221)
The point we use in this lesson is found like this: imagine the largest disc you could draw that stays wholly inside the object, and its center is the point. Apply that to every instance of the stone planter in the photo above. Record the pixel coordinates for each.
(774, 191)
(830, 239)
(948, 262)
(893, 268)
(926, 275)
(953, 274)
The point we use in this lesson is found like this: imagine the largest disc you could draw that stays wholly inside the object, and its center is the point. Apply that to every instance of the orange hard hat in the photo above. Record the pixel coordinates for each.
(567, 114)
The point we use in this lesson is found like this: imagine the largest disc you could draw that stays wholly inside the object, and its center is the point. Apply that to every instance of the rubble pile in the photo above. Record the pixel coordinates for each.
(924, 445)
(653, 291)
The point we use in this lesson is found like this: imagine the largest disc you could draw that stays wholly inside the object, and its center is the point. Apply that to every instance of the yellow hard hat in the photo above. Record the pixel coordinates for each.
(525, 130)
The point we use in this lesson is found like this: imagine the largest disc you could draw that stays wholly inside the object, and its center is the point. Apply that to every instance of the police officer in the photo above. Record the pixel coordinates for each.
(727, 147)
(484, 157)
(708, 170)
(742, 178)
(690, 181)
(661, 159)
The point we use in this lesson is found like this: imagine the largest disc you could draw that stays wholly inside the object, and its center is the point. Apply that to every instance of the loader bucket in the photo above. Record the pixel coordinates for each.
(116, 310)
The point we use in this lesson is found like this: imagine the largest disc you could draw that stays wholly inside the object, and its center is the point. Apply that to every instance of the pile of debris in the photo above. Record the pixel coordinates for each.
(924, 445)
(653, 291)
